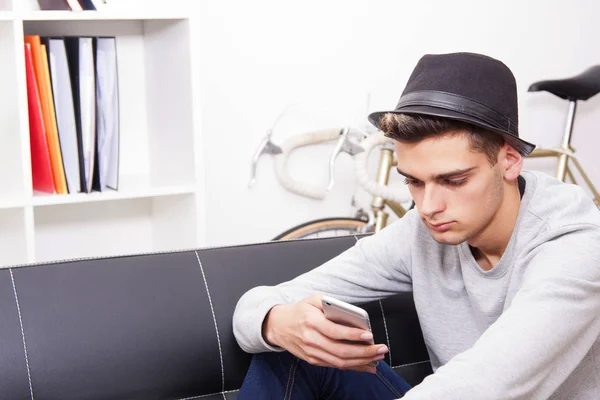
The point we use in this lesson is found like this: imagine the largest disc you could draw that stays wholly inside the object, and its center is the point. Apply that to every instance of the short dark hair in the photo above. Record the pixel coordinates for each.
(412, 128)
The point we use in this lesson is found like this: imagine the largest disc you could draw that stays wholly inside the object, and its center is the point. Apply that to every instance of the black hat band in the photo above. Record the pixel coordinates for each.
(460, 104)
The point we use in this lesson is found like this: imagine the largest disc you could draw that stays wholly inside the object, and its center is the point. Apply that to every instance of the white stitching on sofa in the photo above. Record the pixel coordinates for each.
(215, 321)
(408, 365)
(211, 394)
(12, 278)
(386, 331)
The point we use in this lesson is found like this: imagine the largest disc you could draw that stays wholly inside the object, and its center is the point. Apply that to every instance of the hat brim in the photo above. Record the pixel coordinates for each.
(522, 146)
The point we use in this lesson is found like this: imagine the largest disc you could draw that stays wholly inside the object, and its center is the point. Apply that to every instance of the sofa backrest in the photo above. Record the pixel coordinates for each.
(158, 326)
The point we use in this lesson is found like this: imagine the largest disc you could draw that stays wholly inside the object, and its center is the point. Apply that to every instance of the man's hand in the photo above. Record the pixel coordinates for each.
(303, 330)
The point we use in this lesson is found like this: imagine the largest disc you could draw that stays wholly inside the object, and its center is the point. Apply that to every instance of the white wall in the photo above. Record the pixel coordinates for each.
(259, 56)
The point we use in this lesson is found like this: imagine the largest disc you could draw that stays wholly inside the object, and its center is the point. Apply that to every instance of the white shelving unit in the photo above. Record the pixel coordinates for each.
(159, 204)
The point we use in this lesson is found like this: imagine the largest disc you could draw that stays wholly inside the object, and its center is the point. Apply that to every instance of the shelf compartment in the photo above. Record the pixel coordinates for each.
(114, 228)
(156, 131)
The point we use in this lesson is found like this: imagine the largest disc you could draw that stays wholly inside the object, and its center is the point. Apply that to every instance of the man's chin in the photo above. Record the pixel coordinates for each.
(450, 238)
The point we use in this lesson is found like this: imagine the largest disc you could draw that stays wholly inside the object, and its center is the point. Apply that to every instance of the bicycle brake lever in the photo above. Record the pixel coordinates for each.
(265, 147)
(348, 143)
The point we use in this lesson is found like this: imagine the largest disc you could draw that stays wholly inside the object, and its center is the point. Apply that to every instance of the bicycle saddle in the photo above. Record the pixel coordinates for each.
(579, 87)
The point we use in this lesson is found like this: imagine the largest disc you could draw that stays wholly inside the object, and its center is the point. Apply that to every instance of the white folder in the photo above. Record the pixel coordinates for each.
(107, 92)
(65, 113)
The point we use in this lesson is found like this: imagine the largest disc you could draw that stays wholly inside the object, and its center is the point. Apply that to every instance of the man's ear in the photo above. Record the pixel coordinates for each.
(512, 162)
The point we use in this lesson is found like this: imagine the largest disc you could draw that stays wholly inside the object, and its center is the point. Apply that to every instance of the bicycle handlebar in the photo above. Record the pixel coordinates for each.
(348, 142)
(291, 144)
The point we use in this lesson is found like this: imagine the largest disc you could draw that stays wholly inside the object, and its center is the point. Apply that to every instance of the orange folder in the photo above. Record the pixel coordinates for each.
(40, 64)
(41, 169)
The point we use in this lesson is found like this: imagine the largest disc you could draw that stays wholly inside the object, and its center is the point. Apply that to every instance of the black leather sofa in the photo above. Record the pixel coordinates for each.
(158, 326)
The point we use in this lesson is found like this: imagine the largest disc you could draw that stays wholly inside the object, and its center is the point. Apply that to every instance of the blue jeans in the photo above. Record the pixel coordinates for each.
(284, 376)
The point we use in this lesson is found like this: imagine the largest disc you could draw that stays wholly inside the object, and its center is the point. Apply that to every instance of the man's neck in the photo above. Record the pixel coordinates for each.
(489, 245)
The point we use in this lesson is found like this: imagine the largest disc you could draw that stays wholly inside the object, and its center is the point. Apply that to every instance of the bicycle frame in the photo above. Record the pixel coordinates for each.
(563, 169)
(386, 162)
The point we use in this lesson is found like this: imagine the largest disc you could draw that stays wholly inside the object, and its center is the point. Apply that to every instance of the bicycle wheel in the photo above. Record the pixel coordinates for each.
(326, 227)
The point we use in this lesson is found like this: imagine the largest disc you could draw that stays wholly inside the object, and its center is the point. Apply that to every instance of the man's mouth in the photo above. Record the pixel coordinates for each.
(440, 227)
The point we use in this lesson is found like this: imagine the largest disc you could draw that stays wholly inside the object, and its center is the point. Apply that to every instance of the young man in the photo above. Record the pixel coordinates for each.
(503, 264)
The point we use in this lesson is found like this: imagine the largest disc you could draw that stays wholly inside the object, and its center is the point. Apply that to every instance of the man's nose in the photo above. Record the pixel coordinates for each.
(432, 202)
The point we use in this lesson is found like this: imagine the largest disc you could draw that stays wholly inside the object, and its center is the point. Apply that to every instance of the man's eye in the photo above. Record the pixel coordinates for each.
(456, 182)
(412, 182)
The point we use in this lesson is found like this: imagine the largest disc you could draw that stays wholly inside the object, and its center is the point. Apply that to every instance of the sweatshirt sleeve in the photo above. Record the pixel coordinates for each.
(550, 326)
(376, 267)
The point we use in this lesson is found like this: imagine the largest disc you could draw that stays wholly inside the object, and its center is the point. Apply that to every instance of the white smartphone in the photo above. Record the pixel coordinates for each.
(346, 314)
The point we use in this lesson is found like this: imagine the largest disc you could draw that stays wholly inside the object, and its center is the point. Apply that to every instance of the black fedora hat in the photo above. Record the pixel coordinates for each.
(467, 87)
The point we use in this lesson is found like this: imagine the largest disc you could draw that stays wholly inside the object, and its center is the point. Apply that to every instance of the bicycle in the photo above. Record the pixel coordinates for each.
(359, 145)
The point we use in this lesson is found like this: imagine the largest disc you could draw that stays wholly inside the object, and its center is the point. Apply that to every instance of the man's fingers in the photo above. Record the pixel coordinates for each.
(325, 343)
(341, 332)
(336, 340)
(315, 344)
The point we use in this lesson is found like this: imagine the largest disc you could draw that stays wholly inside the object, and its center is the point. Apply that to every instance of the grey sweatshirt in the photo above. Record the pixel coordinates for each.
(527, 329)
